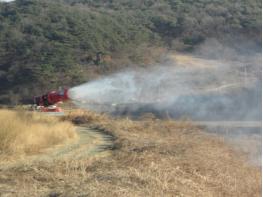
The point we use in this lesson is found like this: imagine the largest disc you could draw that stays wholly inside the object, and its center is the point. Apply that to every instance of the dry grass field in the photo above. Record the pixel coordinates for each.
(167, 158)
(27, 133)
(151, 157)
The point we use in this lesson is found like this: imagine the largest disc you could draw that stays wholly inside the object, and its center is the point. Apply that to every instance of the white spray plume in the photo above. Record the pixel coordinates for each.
(217, 84)
(164, 84)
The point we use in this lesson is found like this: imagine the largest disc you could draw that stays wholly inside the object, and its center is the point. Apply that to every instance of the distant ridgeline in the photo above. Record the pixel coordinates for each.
(45, 44)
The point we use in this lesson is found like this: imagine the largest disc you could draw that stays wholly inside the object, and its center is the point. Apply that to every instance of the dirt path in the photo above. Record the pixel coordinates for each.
(91, 142)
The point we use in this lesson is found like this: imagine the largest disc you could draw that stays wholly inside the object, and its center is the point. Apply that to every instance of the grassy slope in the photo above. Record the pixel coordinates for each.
(26, 132)
(153, 158)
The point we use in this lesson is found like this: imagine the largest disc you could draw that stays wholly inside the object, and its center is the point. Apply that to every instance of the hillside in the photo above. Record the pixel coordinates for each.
(45, 44)
(150, 157)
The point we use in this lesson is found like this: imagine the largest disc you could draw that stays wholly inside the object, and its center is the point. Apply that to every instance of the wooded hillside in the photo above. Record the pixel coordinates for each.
(45, 44)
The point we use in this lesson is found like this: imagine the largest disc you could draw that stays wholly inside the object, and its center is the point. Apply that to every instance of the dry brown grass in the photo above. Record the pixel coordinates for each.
(194, 62)
(26, 132)
(168, 158)
(153, 158)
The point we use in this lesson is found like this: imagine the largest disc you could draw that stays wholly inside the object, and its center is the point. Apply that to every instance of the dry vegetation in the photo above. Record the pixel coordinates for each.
(26, 132)
(167, 158)
(151, 158)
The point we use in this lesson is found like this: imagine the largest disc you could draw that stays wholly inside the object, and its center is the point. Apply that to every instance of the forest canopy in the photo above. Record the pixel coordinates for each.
(45, 44)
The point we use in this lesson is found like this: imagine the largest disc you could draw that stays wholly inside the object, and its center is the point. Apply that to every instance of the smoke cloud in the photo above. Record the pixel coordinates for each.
(215, 83)
(193, 86)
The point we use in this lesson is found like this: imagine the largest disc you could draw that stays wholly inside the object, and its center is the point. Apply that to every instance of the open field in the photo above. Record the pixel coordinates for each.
(164, 98)
(147, 154)
(150, 157)
(23, 133)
